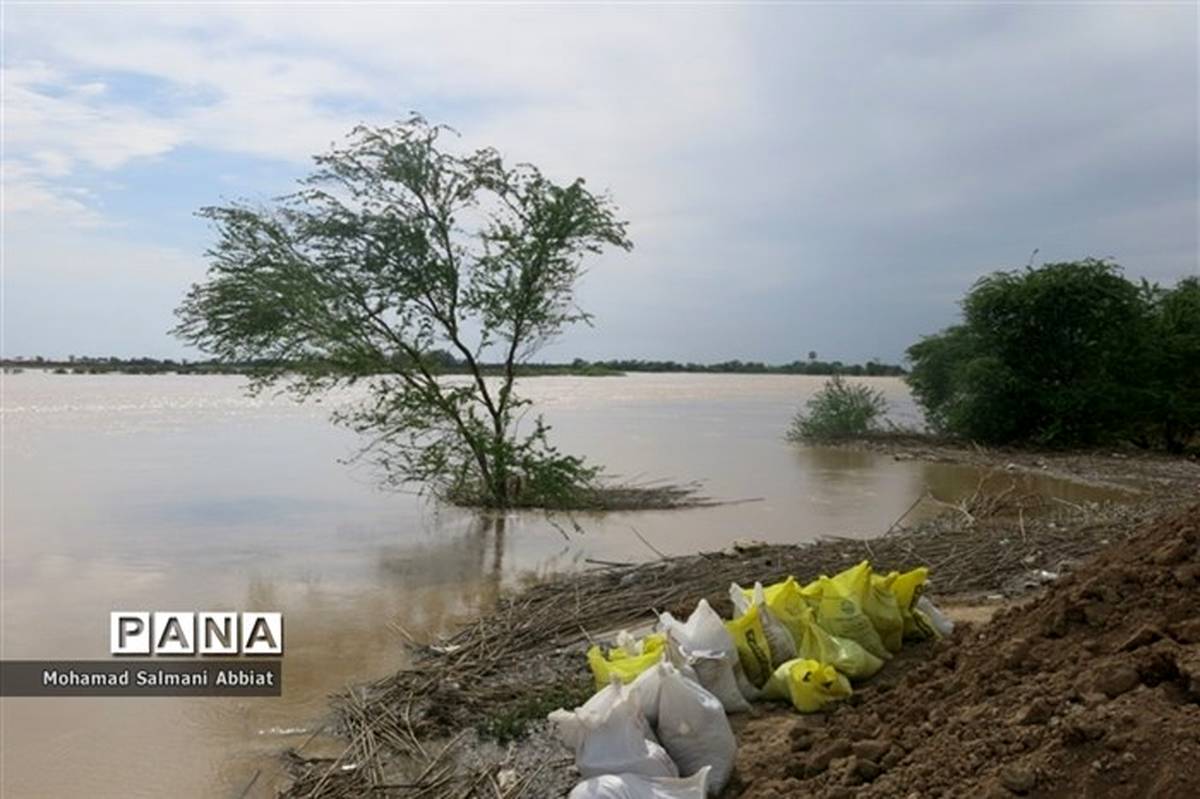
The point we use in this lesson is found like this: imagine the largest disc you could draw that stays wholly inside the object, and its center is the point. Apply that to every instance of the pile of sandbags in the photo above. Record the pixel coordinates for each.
(657, 728)
(637, 739)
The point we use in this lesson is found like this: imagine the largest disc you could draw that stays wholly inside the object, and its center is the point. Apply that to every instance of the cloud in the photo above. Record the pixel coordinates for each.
(796, 177)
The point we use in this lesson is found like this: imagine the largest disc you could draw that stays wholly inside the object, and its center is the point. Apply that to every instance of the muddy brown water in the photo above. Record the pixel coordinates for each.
(182, 493)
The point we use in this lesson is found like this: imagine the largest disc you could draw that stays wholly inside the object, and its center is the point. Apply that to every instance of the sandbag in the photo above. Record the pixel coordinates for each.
(646, 687)
(880, 605)
(780, 641)
(754, 653)
(631, 786)
(571, 726)
(625, 661)
(807, 684)
(907, 588)
(840, 613)
(704, 643)
(609, 735)
(788, 601)
(694, 730)
(847, 656)
(787, 597)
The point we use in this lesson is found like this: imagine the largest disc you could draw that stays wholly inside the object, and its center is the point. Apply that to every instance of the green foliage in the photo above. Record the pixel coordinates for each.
(1173, 381)
(1066, 354)
(811, 367)
(838, 410)
(395, 261)
(512, 722)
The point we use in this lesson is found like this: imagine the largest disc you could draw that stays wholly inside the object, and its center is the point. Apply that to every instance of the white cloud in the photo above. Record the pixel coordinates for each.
(759, 151)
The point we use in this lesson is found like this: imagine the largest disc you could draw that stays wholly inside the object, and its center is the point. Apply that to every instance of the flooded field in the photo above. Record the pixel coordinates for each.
(181, 493)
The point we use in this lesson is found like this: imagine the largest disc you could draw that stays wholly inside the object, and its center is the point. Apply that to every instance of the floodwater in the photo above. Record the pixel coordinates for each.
(181, 493)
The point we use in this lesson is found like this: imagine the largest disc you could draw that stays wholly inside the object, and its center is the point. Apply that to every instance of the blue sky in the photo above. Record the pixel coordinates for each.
(816, 176)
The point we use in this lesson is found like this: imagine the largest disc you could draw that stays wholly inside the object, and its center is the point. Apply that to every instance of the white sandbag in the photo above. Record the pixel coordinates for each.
(609, 735)
(940, 622)
(572, 726)
(645, 688)
(643, 691)
(707, 647)
(694, 730)
(631, 786)
(779, 638)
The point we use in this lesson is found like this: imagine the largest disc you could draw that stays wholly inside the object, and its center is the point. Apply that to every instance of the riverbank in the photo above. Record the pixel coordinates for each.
(466, 718)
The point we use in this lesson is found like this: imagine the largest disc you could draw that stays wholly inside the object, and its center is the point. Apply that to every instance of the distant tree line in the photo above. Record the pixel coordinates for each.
(1067, 354)
(444, 362)
(82, 365)
(809, 367)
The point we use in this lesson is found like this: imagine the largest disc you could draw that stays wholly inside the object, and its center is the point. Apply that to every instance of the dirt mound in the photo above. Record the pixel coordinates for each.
(1091, 690)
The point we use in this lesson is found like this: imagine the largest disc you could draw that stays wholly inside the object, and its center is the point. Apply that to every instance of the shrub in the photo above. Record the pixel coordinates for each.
(838, 410)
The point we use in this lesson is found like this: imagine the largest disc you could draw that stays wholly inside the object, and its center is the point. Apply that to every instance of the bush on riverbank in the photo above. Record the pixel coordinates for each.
(1067, 354)
(839, 410)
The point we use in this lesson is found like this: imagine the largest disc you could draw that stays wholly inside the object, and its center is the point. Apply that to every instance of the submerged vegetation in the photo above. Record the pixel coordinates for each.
(1068, 354)
(839, 410)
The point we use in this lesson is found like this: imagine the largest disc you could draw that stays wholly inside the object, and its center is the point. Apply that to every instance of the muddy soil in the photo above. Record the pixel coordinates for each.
(1090, 690)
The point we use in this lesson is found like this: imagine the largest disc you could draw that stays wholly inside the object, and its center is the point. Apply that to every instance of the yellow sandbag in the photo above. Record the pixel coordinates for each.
(787, 600)
(753, 650)
(840, 613)
(876, 601)
(626, 662)
(792, 605)
(907, 588)
(845, 655)
(882, 608)
(780, 643)
(807, 684)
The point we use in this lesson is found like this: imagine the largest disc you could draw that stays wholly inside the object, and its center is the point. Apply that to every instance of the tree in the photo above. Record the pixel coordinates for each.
(1174, 377)
(1056, 355)
(395, 258)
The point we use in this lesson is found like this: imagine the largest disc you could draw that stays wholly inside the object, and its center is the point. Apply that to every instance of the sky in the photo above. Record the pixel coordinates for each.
(818, 176)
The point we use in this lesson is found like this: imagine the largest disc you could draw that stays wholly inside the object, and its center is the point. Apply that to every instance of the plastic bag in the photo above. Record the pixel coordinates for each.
(694, 730)
(704, 643)
(609, 735)
(840, 613)
(779, 638)
(631, 786)
(940, 625)
(625, 661)
(807, 684)
(844, 654)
